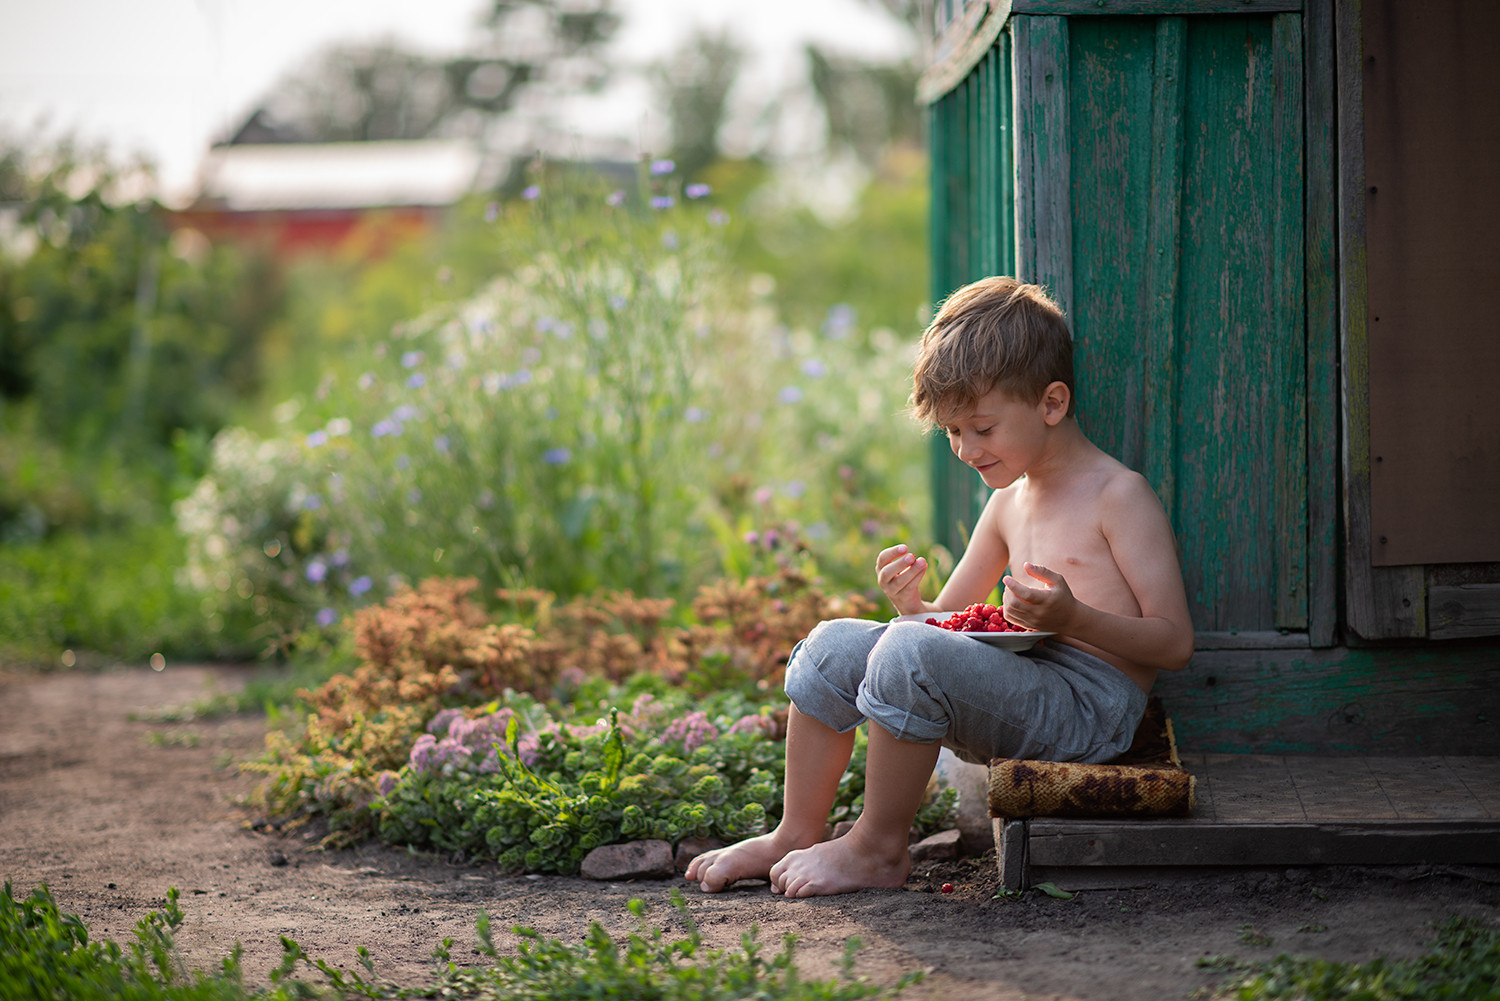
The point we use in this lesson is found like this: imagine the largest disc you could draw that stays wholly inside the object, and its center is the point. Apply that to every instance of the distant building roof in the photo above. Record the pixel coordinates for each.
(266, 176)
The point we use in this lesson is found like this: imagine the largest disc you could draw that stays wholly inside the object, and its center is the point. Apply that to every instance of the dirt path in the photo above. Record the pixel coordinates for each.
(110, 811)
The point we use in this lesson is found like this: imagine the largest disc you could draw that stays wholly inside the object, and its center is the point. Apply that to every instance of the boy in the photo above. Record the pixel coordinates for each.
(1091, 558)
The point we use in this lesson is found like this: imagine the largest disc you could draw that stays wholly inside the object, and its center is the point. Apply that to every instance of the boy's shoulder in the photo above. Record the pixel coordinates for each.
(1114, 489)
(1123, 492)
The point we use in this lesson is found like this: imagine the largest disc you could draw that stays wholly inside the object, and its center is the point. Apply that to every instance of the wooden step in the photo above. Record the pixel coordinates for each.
(1282, 810)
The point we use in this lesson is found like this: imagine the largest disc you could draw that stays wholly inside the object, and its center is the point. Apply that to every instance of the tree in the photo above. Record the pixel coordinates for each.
(693, 85)
(526, 55)
(868, 106)
(111, 333)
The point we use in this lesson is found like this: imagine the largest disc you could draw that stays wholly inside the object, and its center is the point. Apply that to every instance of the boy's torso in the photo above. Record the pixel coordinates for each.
(1062, 526)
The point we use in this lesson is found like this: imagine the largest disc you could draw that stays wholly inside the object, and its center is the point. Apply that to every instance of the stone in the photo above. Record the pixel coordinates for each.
(972, 782)
(632, 860)
(940, 847)
(690, 848)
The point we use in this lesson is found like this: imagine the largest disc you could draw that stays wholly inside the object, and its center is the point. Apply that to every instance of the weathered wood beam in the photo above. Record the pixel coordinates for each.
(1428, 699)
(1190, 843)
(1153, 7)
(1320, 271)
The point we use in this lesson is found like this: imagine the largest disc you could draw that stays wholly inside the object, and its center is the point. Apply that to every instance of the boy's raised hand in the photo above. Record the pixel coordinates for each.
(1045, 607)
(899, 572)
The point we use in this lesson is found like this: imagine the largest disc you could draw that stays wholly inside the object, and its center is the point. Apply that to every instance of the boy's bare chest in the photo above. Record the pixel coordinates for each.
(1071, 544)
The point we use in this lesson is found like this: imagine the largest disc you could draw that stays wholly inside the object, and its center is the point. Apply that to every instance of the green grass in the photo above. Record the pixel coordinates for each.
(1464, 965)
(107, 595)
(48, 955)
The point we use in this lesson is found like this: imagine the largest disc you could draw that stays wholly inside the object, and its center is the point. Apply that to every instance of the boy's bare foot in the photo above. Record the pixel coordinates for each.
(748, 859)
(840, 866)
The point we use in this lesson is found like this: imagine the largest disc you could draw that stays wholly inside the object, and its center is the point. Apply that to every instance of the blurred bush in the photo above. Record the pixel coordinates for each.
(621, 408)
(610, 384)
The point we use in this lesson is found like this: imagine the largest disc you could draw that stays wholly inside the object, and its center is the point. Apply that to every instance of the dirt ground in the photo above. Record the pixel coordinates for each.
(110, 808)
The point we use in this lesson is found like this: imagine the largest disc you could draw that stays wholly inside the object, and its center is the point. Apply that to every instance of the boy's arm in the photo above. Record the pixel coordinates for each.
(980, 567)
(1141, 542)
(899, 571)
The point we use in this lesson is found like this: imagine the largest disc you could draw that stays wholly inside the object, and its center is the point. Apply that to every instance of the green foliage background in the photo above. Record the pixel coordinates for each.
(126, 347)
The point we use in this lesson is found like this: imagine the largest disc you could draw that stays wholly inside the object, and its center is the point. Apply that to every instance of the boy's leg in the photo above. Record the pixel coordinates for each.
(822, 679)
(875, 851)
(816, 758)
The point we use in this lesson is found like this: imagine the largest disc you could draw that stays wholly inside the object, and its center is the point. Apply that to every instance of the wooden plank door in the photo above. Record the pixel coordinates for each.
(1184, 267)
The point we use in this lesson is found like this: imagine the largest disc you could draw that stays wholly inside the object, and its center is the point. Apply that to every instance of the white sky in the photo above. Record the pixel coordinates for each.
(164, 78)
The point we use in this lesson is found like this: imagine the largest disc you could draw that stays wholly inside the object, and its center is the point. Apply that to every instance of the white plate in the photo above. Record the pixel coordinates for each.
(1005, 641)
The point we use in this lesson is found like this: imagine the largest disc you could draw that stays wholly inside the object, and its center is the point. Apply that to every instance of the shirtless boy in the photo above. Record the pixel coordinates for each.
(1090, 556)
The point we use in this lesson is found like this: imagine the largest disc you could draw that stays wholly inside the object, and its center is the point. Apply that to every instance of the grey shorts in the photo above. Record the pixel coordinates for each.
(1053, 702)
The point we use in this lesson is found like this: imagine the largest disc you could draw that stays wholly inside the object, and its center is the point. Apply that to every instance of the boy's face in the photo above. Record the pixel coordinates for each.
(1002, 437)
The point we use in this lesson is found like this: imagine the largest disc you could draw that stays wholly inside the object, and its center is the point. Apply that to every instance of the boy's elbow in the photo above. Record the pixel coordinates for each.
(1179, 652)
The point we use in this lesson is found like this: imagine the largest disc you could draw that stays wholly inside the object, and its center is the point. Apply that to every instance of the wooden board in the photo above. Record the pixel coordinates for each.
(1184, 843)
(1430, 74)
(1186, 160)
(1258, 810)
(1435, 699)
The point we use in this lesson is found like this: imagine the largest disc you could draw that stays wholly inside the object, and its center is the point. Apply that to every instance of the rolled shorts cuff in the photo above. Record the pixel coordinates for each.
(899, 724)
(814, 695)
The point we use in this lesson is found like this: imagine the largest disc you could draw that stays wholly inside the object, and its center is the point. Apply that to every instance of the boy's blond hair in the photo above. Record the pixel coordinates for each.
(996, 333)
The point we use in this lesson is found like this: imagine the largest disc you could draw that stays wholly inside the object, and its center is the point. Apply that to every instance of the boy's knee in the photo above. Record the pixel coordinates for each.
(825, 669)
(901, 692)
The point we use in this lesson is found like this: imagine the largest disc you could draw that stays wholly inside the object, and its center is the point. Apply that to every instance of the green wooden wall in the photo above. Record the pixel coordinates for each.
(1159, 166)
(1188, 178)
(973, 209)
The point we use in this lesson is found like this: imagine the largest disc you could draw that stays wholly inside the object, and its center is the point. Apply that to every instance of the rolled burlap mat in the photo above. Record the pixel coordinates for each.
(1073, 789)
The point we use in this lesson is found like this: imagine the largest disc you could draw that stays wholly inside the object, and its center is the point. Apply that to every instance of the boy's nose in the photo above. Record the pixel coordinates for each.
(965, 447)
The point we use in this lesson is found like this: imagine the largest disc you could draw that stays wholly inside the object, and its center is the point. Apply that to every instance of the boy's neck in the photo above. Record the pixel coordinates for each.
(1066, 450)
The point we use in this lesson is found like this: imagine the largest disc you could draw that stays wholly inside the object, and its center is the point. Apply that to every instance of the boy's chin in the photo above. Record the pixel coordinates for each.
(997, 477)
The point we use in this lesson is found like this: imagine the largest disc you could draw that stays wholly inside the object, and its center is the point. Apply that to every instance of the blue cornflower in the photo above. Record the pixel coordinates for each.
(360, 585)
(616, 197)
(312, 502)
(327, 617)
(791, 394)
(316, 571)
(697, 191)
(660, 167)
(317, 438)
(531, 193)
(840, 321)
(385, 427)
(412, 359)
(814, 368)
(556, 456)
(416, 380)
(663, 202)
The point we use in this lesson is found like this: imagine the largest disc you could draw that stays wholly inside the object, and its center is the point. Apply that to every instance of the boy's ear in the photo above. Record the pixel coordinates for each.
(1055, 400)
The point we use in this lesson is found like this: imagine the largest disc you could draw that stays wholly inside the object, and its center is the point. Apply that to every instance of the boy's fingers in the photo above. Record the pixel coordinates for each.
(1041, 573)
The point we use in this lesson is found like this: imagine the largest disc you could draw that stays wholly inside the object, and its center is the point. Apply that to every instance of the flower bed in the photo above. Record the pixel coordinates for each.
(533, 733)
